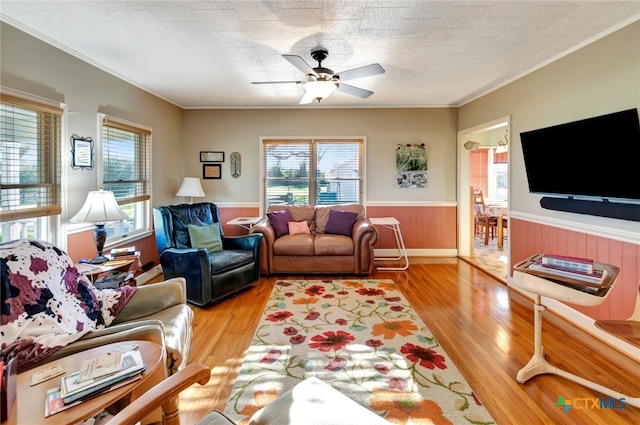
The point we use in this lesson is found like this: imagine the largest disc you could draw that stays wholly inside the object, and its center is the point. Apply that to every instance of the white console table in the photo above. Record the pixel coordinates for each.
(393, 224)
(551, 288)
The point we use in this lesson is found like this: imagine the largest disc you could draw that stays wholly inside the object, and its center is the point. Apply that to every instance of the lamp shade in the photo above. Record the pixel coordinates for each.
(317, 90)
(191, 187)
(99, 207)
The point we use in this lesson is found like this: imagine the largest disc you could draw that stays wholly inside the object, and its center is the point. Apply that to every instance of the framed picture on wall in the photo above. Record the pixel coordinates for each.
(208, 156)
(211, 171)
(81, 153)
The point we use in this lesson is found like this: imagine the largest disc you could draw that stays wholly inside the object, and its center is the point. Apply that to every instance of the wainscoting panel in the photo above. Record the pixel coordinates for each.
(529, 238)
(82, 245)
(422, 227)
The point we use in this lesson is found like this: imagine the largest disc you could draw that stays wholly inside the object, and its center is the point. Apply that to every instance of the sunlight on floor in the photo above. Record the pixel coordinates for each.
(490, 258)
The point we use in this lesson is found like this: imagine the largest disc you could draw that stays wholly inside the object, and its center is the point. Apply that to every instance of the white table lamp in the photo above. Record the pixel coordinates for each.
(191, 187)
(99, 207)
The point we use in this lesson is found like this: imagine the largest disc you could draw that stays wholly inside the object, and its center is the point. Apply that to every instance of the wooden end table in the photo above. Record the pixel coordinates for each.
(29, 405)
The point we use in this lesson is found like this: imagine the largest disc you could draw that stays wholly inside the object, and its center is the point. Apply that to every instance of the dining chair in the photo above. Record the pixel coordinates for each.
(485, 225)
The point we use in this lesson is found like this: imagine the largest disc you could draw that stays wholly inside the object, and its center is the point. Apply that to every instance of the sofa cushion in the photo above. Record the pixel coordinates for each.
(298, 228)
(206, 236)
(328, 244)
(279, 220)
(322, 214)
(298, 213)
(294, 245)
(229, 259)
(340, 222)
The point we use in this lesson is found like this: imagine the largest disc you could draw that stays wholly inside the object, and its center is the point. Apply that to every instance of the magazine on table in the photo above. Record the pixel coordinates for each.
(73, 388)
(596, 278)
(54, 403)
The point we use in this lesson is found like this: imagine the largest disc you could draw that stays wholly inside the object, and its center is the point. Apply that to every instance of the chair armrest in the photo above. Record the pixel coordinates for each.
(152, 298)
(364, 236)
(163, 394)
(361, 227)
(194, 265)
(266, 250)
(245, 242)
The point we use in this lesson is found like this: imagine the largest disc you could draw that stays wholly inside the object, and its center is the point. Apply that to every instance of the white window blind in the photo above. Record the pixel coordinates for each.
(125, 161)
(30, 159)
(126, 171)
(312, 171)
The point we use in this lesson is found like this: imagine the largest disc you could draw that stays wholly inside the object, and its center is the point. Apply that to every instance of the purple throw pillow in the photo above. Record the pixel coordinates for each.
(280, 222)
(340, 222)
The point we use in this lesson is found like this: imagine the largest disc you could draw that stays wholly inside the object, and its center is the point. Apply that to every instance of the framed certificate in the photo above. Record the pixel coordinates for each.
(209, 156)
(211, 171)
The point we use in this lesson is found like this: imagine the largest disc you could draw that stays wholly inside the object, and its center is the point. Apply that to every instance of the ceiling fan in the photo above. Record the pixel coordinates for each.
(320, 82)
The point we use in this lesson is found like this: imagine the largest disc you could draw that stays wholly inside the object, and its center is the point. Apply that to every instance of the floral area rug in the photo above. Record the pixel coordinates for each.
(363, 338)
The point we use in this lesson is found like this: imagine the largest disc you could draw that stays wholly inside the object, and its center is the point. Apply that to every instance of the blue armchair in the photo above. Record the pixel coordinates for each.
(210, 276)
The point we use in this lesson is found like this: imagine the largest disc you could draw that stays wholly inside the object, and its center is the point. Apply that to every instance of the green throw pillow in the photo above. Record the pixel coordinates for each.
(207, 236)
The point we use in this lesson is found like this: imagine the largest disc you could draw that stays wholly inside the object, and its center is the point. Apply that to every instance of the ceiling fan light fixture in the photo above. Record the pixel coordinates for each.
(319, 89)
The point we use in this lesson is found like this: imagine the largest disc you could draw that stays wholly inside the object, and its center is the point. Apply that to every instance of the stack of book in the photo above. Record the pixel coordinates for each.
(122, 252)
(127, 253)
(96, 376)
(578, 272)
(114, 279)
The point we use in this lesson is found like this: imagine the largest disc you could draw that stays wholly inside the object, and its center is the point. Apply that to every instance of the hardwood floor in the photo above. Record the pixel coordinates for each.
(485, 327)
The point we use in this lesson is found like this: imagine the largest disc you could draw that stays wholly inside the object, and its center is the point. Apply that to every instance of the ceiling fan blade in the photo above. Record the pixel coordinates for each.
(354, 91)
(300, 63)
(275, 82)
(363, 71)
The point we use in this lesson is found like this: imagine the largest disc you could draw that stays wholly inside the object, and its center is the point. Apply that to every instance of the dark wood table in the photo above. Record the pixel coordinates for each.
(30, 400)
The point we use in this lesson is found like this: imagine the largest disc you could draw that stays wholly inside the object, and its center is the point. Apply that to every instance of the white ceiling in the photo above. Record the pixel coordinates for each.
(204, 54)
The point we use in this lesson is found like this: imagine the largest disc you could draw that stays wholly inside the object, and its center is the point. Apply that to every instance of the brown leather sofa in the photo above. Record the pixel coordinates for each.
(318, 252)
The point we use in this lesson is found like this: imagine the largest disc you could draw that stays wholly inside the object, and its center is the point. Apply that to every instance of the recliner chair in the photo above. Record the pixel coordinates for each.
(210, 276)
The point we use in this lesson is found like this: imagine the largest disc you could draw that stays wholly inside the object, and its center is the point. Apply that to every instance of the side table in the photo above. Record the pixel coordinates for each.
(93, 271)
(29, 405)
(557, 288)
(245, 222)
(393, 224)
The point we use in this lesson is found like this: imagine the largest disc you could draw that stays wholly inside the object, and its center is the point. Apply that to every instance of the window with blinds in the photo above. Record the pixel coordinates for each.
(30, 166)
(312, 172)
(126, 173)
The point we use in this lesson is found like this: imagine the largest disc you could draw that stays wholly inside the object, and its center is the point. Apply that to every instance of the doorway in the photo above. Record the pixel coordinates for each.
(483, 165)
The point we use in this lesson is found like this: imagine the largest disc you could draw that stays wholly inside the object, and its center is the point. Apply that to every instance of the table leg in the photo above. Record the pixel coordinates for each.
(539, 365)
(402, 251)
(500, 231)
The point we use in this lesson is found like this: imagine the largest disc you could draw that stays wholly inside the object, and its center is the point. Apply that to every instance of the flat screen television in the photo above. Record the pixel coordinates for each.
(597, 157)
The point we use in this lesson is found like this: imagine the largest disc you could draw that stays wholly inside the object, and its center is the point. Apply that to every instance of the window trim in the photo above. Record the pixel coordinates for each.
(294, 139)
(54, 228)
(146, 199)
